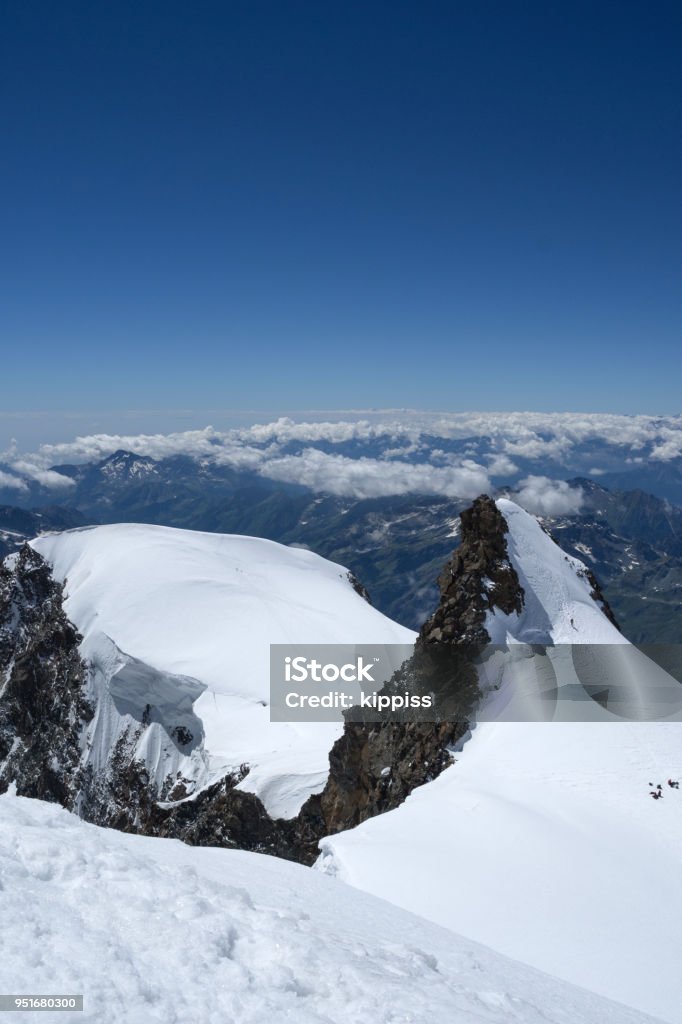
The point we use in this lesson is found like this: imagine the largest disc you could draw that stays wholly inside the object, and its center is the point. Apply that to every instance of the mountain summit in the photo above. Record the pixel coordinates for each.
(478, 578)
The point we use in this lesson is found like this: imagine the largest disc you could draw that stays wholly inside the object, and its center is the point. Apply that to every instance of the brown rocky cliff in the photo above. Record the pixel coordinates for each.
(479, 577)
(375, 766)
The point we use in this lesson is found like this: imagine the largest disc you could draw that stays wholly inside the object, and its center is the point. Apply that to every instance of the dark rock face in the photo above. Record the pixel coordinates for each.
(224, 816)
(478, 577)
(43, 707)
(120, 795)
(359, 587)
(375, 768)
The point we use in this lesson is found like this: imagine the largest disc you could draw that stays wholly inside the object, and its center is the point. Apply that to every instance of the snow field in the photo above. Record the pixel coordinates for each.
(150, 930)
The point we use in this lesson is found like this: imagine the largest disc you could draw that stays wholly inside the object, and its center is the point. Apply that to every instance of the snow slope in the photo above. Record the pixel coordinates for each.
(584, 648)
(542, 841)
(150, 930)
(558, 608)
(206, 607)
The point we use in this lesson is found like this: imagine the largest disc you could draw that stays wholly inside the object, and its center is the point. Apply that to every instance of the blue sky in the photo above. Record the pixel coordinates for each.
(301, 205)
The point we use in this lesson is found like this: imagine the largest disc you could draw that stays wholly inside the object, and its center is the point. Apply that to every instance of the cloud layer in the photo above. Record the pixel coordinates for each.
(375, 478)
(394, 452)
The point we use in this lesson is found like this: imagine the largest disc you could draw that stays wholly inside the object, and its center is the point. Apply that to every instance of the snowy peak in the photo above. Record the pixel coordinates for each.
(124, 465)
(162, 610)
(509, 582)
(563, 603)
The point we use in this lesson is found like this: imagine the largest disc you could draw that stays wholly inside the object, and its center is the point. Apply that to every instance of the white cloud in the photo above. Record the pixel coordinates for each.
(46, 477)
(531, 446)
(196, 443)
(545, 497)
(502, 465)
(373, 478)
(14, 483)
(530, 435)
(669, 447)
(284, 430)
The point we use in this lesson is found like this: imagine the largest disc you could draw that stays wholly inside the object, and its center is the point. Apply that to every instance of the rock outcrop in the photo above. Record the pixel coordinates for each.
(43, 703)
(479, 577)
(374, 766)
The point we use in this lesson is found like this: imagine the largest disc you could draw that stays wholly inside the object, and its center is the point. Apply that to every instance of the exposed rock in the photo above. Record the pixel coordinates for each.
(224, 816)
(43, 707)
(478, 577)
(597, 595)
(359, 587)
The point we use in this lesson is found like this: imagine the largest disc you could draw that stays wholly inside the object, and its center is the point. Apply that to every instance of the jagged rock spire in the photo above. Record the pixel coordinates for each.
(478, 577)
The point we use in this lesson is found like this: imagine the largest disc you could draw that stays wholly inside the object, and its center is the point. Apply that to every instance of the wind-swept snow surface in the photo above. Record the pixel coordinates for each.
(542, 840)
(558, 606)
(206, 607)
(150, 930)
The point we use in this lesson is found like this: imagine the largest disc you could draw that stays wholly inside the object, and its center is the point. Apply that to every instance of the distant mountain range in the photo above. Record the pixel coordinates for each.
(395, 544)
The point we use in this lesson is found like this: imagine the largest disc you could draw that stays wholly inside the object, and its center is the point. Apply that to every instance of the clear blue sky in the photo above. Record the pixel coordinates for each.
(293, 205)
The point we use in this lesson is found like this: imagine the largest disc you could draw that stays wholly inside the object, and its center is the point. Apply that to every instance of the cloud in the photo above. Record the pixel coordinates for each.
(195, 443)
(533, 447)
(14, 483)
(502, 465)
(285, 430)
(373, 478)
(545, 497)
(530, 434)
(46, 477)
(669, 447)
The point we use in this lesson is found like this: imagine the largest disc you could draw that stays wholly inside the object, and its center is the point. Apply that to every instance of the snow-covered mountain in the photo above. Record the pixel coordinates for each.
(151, 930)
(541, 840)
(177, 625)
